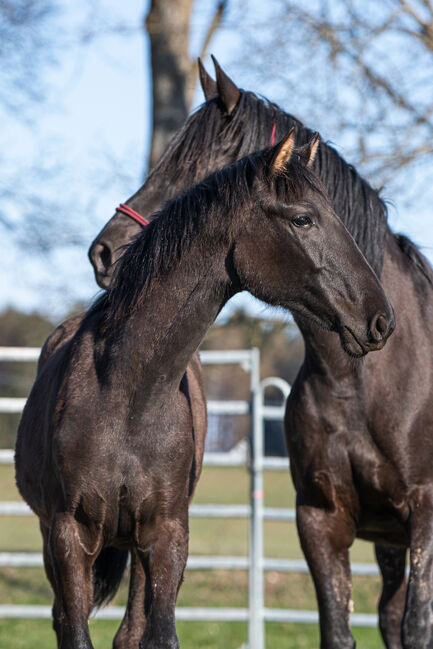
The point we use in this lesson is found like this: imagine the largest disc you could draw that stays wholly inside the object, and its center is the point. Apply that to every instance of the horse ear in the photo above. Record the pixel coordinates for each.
(228, 91)
(208, 85)
(283, 152)
(308, 151)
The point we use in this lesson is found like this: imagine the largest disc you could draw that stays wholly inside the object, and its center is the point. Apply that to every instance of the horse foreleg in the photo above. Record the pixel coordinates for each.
(71, 565)
(164, 565)
(325, 539)
(134, 621)
(49, 571)
(418, 619)
(392, 564)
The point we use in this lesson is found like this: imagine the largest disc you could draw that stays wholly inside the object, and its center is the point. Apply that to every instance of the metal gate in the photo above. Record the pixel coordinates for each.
(256, 614)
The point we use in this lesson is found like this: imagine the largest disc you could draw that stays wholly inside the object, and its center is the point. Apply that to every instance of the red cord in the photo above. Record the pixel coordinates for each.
(125, 209)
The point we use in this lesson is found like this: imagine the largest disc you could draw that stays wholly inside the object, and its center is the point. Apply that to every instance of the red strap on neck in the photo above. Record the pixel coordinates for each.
(125, 209)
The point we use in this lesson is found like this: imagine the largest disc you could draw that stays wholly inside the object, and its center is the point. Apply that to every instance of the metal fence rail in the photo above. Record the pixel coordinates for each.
(256, 614)
(201, 562)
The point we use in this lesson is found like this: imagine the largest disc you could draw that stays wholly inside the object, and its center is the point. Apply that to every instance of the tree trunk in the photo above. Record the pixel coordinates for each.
(173, 75)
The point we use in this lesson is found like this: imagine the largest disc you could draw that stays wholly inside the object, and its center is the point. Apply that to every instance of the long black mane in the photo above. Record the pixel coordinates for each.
(212, 209)
(249, 128)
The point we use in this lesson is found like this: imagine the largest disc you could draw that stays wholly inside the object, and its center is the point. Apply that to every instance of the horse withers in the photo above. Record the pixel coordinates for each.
(105, 448)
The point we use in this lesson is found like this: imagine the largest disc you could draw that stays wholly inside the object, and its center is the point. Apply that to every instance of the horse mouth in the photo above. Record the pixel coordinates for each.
(351, 344)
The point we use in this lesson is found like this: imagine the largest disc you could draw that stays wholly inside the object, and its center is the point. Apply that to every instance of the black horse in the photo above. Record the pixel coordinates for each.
(105, 448)
(376, 414)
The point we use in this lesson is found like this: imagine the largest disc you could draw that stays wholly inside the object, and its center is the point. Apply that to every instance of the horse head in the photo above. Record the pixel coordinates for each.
(321, 275)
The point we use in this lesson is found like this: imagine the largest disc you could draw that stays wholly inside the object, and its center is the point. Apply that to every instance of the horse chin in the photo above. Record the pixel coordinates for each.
(305, 318)
(351, 344)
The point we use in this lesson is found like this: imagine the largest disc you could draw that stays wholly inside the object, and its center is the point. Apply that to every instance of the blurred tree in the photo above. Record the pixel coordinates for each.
(26, 48)
(35, 36)
(173, 72)
(361, 70)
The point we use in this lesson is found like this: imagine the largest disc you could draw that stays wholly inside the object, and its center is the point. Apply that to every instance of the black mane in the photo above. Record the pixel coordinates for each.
(211, 209)
(250, 128)
(221, 137)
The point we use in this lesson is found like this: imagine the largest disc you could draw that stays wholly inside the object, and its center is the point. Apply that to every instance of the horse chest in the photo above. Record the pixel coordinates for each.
(318, 434)
(336, 464)
(142, 503)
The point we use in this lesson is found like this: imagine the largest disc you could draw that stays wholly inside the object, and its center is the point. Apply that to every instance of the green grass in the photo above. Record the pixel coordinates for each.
(23, 634)
(201, 588)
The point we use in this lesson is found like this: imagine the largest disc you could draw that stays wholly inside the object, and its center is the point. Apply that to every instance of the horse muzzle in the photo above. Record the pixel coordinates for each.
(359, 344)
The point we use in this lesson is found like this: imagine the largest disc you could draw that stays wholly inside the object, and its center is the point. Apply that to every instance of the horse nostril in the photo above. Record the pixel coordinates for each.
(382, 325)
(101, 260)
(378, 327)
(100, 256)
(106, 256)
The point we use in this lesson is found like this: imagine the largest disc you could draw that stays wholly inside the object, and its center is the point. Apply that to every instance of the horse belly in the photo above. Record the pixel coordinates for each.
(383, 526)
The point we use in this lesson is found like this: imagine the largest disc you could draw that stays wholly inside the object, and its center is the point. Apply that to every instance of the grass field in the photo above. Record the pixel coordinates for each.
(201, 588)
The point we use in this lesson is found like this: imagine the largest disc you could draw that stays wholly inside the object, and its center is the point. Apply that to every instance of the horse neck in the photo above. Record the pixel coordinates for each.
(159, 338)
(409, 287)
(325, 358)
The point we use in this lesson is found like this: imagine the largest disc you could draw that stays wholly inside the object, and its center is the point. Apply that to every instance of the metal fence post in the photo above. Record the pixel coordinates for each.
(256, 630)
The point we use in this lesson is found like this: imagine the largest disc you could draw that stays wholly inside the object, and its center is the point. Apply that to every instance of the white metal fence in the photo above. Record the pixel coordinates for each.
(256, 614)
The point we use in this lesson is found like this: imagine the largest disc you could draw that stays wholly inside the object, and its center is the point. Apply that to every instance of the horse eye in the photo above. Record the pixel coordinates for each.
(303, 221)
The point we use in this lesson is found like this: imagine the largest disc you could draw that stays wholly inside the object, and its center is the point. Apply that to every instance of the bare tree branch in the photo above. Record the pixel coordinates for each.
(213, 27)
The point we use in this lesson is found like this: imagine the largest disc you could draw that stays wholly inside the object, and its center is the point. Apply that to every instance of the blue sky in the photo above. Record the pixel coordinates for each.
(93, 132)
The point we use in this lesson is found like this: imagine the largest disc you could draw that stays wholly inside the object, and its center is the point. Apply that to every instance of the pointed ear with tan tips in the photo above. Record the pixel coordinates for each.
(208, 85)
(228, 91)
(308, 151)
(283, 152)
